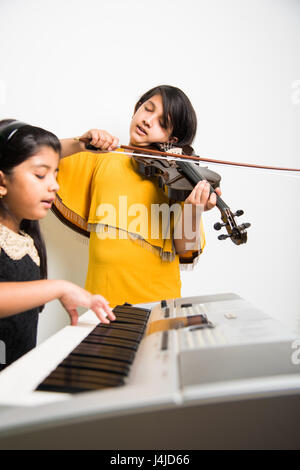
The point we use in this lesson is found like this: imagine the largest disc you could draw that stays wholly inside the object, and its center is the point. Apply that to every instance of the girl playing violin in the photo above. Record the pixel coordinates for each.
(103, 194)
(28, 168)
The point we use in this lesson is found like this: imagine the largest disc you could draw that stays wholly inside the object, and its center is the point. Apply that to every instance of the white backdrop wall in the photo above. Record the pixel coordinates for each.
(69, 65)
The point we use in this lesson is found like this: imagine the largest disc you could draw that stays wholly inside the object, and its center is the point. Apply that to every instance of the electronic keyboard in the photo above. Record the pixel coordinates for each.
(170, 362)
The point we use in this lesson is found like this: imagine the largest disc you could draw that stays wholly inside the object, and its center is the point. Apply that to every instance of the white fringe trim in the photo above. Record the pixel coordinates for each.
(190, 266)
(134, 237)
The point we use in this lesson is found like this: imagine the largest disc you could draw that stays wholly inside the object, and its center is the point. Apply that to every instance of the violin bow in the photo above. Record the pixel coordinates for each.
(194, 158)
(208, 160)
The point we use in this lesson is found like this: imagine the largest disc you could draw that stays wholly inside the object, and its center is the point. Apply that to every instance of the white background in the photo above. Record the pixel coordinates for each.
(69, 65)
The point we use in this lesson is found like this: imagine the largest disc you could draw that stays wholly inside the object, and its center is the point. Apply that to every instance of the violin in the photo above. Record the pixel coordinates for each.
(177, 174)
(178, 178)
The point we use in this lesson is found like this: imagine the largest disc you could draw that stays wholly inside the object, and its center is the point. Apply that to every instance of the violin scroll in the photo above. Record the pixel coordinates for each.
(237, 233)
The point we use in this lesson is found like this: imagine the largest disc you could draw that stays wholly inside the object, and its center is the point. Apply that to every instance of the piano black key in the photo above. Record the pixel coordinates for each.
(108, 352)
(101, 378)
(132, 310)
(115, 333)
(59, 385)
(140, 316)
(124, 326)
(89, 379)
(108, 340)
(103, 358)
(125, 318)
(96, 363)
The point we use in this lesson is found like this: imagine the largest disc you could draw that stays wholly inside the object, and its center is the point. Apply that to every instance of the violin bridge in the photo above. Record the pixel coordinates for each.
(167, 146)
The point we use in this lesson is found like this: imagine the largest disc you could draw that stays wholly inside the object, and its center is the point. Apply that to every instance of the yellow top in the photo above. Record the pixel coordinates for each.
(131, 253)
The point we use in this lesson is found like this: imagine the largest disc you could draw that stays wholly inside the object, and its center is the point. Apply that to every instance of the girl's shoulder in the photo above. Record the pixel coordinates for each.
(17, 245)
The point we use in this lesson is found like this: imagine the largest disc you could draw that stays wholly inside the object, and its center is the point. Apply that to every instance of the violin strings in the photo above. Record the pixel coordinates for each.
(279, 172)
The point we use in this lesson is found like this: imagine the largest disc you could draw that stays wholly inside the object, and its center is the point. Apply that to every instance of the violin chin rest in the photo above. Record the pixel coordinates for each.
(188, 150)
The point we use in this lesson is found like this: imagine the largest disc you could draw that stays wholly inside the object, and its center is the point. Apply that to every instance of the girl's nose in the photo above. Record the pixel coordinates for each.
(148, 121)
(54, 186)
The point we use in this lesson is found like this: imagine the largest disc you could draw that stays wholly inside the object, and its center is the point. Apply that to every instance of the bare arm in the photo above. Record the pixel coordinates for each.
(199, 200)
(189, 233)
(16, 297)
(71, 146)
(99, 138)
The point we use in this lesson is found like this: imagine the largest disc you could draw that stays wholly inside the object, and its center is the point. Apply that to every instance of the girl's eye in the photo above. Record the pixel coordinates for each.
(40, 177)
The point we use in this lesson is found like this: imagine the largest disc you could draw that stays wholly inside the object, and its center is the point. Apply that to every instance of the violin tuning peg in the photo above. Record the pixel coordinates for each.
(218, 226)
(223, 237)
(244, 226)
(238, 213)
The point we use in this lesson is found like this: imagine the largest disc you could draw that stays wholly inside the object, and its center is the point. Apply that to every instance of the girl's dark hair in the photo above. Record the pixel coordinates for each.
(23, 144)
(178, 112)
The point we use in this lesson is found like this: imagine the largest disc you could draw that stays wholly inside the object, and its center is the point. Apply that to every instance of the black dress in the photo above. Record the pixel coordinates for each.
(17, 332)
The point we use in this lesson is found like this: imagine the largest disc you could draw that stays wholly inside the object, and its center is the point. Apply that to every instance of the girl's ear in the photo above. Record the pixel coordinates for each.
(173, 140)
(3, 188)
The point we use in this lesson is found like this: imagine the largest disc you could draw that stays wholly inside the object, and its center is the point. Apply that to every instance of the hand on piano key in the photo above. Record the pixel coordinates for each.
(73, 296)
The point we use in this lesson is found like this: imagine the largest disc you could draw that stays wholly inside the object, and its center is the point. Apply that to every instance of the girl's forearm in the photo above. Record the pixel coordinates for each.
(71, 146)
(190, 229)
(16, 297)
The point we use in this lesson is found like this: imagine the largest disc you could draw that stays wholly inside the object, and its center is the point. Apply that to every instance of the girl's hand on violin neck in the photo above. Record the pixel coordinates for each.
(74, 296)
(102, 139)
(200, 196)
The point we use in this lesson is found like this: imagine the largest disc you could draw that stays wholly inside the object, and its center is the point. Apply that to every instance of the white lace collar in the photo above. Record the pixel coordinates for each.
(18, 245)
